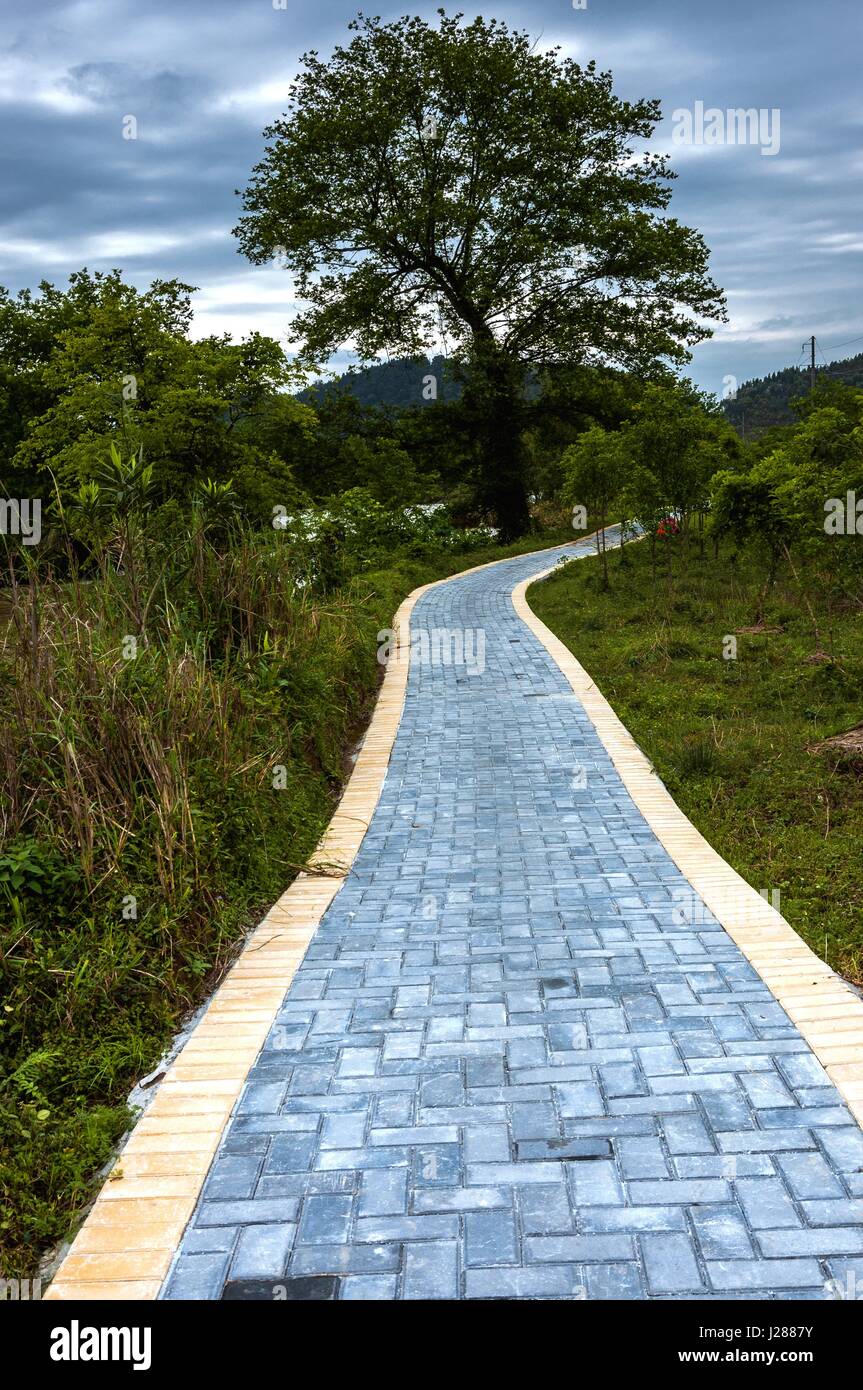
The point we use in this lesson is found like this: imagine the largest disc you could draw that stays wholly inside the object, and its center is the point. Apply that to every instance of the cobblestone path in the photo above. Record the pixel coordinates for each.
(505, 1069)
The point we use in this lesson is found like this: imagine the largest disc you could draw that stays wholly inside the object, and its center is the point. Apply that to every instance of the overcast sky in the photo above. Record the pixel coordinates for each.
(203, 77)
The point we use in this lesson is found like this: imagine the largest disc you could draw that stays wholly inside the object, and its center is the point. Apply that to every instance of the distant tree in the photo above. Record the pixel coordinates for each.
(594, 470)
(830, 394)
(456, 181)
(675, 447)
(798, 502)
(744, 510)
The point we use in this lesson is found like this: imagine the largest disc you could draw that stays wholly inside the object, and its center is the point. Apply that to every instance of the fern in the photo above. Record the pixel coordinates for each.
(28, 1074)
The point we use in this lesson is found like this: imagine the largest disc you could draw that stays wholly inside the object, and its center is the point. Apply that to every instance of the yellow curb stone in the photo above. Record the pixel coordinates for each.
(131, 1290)
(134, 1265)
(117, 1238)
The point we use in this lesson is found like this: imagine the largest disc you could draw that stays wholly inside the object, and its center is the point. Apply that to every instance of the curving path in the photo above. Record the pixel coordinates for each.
(505, 1068)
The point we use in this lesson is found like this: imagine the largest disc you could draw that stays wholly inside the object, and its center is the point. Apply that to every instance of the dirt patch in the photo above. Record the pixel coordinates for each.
(848, 745)
(757, 629)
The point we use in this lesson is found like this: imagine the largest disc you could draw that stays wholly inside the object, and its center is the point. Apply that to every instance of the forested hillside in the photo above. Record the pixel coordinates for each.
(403, 382)
(766, 401)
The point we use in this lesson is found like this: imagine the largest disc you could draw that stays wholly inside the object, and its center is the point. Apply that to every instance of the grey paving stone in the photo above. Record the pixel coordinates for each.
(210, 1239)
(487, 1144)
(728, 1112)
(247, 1213)
(262, 1252)
(515, 1174)
(766, 1203)
(491, 1238)
(579, 1098)
(670, 1264)
(595, 1183)
(420, 1134)
(536, 1121)
(196, 1277)
(774, 1141)
(261, 1098)
(343, 1259)
(621, 1080)
(614, 1281)
(729, 1166)
(809, 1175)
(846, 1278)
(679, 1190)
(687, 1134)
(833, 1212)
(291, 1153)
(324, 1220)
(345, 1131)
(425, 1227)
(369, 1287)
(545, 1210)
(577, 1149)
(579, 1249)
(357, 1160)
(538, 1282)
(756, 1275)
(632, 1219)
(844, 1148)
(721, 1233)
(431, 1270)
(840, 1240)
(383, 1192)
(659, 1058)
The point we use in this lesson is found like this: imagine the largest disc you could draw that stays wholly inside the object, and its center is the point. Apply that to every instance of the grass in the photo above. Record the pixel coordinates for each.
(142, 833)
(733, 739)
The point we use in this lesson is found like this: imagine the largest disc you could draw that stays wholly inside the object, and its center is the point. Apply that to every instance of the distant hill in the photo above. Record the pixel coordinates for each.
(399, 383)
(760, 404)
(766, 400)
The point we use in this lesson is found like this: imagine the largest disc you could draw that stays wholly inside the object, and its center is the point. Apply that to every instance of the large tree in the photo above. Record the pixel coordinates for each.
(456, 183)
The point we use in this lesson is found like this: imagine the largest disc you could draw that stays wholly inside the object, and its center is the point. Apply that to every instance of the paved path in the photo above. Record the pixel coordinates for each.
(504, 1068)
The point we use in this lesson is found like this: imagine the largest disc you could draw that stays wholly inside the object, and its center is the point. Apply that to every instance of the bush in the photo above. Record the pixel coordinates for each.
(354, 533)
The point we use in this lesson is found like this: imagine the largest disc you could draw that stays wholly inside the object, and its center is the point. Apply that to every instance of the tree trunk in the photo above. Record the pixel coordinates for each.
(503, 477)
(495, 402)
(601, 549)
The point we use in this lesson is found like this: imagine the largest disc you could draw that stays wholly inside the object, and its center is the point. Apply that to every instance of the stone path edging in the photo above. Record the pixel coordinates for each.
(125, 1245)
(824, 1008)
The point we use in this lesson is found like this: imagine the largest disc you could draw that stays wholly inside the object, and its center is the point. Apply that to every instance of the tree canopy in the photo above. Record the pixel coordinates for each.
(455, 182)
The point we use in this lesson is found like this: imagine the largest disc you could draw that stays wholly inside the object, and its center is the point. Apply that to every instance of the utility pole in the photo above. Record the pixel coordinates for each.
(812, 364)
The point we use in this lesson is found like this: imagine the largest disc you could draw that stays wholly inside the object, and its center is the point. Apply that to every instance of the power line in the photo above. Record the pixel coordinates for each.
(831, 347)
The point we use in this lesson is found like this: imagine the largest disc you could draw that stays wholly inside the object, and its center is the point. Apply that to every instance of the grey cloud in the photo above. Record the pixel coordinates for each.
(189, 73)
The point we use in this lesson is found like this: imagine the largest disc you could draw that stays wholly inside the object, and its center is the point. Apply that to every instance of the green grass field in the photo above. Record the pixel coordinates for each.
(733, 739)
